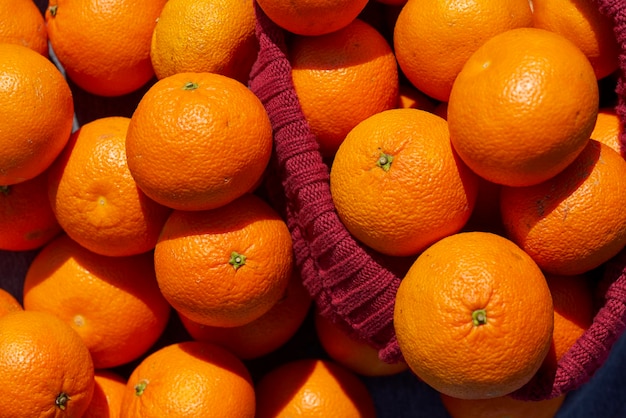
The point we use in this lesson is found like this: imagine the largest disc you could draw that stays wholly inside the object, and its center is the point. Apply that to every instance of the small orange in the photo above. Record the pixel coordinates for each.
(22, 23)
(8, 303)
(36, 113)
(107, 396)
(104, 46)
(434, 39)
(502, 406)
(26, 216)
(523, 107)
(224, 267)
(266, 333)
(44, 364)
(113, 303)
(312, 17)
(197, 141)
(312, 388)
(95, 198)
(341, 79)
(397, 184)
(205, 36)
(189, 379)
(573, 222)
(461, 316)
(608, 129)
(355, 355)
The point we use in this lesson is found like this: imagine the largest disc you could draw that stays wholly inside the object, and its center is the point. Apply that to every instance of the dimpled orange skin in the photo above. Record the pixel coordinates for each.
(197, 141)
(575, 221)
(438, 311)
(107, 396)
(523, 107)
(22, 23)
(36, 113)
(43, 362)
(224, 267)
(8, 303)
(608, 129)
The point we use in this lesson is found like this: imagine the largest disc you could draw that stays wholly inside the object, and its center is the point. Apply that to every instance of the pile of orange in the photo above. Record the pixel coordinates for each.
(471, 139)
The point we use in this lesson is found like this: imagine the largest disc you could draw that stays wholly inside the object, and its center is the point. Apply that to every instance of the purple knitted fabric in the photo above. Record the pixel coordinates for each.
(355, 286)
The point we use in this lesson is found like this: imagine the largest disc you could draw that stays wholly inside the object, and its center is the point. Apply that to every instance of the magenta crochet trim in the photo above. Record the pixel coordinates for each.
(355, 286)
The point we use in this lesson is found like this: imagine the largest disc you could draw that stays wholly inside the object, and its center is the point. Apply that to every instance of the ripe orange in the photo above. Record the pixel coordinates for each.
(225, 267)
(189, 379)
(581, 22)
(8, 303)
(608, 130)
(264, 334)
(104, 46)
(573, 222)
(434, 39)
(113, 303)
(205, 36)
(94, 196)
(197, 141)
(355, 355)
(461, 316)
(36, 113)
(45, 365)
(397, 184)
(523, 107)
(22, 23)
(26, 217)
(502, 406)
(312, 388)
(312, 17)
(107, 396)
(341, 79)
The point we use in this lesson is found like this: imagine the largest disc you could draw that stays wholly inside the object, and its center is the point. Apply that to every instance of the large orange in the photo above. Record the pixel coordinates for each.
(94, 196)
(341, 79)
(197, 141)
(312, 17)
(266, 333)
(8, 303)
(205, 36)
(573, 222)
(26, 217)
(312, 388)
(36, 113)
(104, 46)
(227, 266)
(462, 316)
(433, 39)
(608, 129)
(189, 379)
(22, 23)
(581, 22)
(502, 406)
(113, 303)
(398, 185)
(44, 364)
(106, 401)
(523, 107)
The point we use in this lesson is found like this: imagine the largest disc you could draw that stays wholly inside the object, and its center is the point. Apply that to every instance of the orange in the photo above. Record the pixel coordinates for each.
(398, 185)
(573, 222)
(355, 355)
(312, 388)
(434, 39)
(113, 303)
(104, 46)
(462, 316)
(26, 216)
(502, 406)
(94, 196)
(205, 36)
(264, 334)
(45, 365)
(22, 23)
(312, 17)
(107, 396)
(8, 303)
(227, 266)
(197, 141)
(189, 379)
(523, 107)
(341, 79)
(410, 97)
(36, 113)
(581, 22)
(608, 130)
(486, 214)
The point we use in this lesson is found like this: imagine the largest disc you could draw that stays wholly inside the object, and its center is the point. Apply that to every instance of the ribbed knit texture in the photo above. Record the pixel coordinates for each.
(355, 286)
